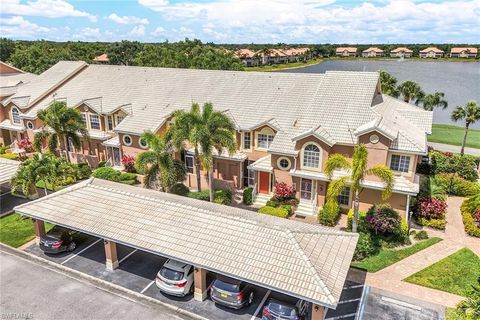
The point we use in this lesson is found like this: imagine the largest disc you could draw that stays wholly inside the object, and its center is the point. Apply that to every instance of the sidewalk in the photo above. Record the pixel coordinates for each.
(454, 149)
(454, 239)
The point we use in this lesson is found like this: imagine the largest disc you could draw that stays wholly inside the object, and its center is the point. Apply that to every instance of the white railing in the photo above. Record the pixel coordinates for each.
(254, 192)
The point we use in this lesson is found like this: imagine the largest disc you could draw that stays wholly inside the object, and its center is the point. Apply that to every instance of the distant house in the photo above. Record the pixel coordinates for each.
(6, 69)
(401, 52)
(372, 52)
(103, 58)
(248, 57)
(431, 52)
(346, 52)
(297, 54)
(463, 53)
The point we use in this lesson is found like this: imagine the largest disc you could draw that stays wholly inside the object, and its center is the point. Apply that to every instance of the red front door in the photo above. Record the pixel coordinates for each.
(264, 183)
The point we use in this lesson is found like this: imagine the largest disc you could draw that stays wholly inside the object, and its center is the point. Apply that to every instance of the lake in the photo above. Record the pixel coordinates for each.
(460, 81)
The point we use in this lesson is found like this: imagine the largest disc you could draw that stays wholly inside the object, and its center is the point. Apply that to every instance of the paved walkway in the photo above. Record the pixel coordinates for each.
(454, 149)
(454, 239)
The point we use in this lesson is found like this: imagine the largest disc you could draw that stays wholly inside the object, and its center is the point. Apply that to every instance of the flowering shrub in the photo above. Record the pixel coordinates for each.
(476, 217)
(431, 208)
(24, 144)
(383, 219)
(283, 191)
(128, 163)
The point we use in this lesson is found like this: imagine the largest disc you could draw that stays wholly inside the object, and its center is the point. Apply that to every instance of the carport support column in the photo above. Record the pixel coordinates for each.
(39, 228)
(318, 312)
(111, 255)
(200, 282)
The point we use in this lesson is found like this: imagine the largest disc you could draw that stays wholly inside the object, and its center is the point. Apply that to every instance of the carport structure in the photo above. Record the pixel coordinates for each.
(306, 261)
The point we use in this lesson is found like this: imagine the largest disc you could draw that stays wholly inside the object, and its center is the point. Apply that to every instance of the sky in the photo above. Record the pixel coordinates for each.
(244, 21)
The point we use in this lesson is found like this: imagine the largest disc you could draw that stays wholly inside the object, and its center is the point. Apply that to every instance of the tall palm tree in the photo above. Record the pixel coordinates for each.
(158, 163)
(433, 100)
(388, 84)
(205, 130)
(410, 90)
(470, 113)
(358, 172)
(66, 123)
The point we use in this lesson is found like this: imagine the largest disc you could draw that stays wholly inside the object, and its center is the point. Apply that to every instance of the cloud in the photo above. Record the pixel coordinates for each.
(137, 31)
(17, 26)
(314, 21)
(127, 19)
(43, 8)
(158, 31)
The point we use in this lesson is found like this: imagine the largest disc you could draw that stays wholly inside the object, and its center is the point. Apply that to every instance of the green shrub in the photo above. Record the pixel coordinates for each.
(83, 170)
(383, 219)
(248, 196)
(107, 173)
(200, 195)
(457, 186)
(288, 208)
(101, 164)
(469, 209)
(272, 203)
(421, 235)
(470, 227)
(223, 196)
(10, 156)
(129, 182)
(277, 212)
(180, 189)
(432, 223)
(465, 166)
(3, 149)
(361, 223)
(471, 205)
(329, 214)
(366, 246)
(127, 176)
(67, 181)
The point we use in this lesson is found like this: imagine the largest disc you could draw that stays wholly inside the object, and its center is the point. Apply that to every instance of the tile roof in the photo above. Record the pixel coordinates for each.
(8, 168)
(460, 50)
(348, 49)
(303, 260)
(401, 49)
(101, 58)
(244, 53)
(263, 164)
(434, 49)
(374, 49)
(7, 124)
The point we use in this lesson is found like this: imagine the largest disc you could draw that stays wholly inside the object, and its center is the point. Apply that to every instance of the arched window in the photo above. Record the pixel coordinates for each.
(15, 115)
(311, 156)
(265, 138)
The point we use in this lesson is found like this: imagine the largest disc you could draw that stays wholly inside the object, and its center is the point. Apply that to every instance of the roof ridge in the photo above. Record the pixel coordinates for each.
(310, 267)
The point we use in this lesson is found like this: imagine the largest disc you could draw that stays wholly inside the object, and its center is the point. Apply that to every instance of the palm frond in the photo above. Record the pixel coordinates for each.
(386, 175)
(336, 161)
(335, 188)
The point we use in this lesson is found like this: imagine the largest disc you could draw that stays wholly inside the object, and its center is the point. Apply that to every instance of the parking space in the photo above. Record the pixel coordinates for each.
(349, 302)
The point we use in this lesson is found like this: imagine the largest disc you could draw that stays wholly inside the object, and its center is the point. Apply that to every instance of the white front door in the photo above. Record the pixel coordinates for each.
(116, 157)
(306, 186)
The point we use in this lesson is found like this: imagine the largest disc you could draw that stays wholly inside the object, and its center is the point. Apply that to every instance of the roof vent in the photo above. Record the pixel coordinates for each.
(295, 122)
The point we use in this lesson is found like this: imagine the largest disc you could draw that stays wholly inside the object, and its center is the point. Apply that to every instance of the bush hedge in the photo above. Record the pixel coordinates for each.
(200, 195)
(471, 215)
(457, 186)
(383, 219)
(248, 196)
(329, 214)
(83, 170)
(366, 246)
(431, 208)
(108, 173)
(180, 189)
(438, 223)
(223, 196)
(277, 212)
(465, 166)
(10, 156)
(421, 235)
(471, 227)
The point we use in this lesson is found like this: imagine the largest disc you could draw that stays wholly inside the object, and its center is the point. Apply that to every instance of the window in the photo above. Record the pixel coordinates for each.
(30, 125)
(94, 122)
(189, 163)
(283, 163)
(264, 140)
(15, 115)
(110, 123)
(70, 146)
(400, 163)
(143, 143)
(127, 140)
(247, 136)
(84, 119)
(251, 178)
(344, 197)
(311, 156)
(119, 119)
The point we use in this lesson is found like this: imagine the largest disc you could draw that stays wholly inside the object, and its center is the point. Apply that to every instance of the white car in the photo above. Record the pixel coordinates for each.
(175, 278)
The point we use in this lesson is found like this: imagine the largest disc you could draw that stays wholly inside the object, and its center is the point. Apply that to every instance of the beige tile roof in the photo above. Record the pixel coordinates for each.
(348, 49)
(434, 49)
(374, 49)
(460, 50)
(8, 168)
(102, 58)
(263, 164)
(244, 53)
(303, 260)
(7, 124)
(401, 49)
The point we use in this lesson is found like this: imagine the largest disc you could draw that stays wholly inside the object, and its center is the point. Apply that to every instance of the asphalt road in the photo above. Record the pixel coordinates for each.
(30, 291)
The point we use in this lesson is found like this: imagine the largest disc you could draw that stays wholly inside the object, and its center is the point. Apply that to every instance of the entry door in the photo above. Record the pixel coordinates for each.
(306, 189)
(264, 183)
(116, 156)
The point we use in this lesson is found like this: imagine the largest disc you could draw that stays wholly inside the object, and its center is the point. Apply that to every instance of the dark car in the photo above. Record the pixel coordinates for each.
(276, 310)
(231, 293)
(59, 239)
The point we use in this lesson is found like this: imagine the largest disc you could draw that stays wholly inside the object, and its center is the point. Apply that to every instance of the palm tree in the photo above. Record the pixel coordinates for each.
(388, 84)
(158, 163)
(471, 113)
(66, 123)
(205, 130)
(358, 172)
(433, 100)
(410, 90)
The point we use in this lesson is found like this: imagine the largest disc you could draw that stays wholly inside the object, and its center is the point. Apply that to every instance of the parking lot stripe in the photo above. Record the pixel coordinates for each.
(260, 305)
(76, 254)
(347, 301)
(148, 286)
(128, 255)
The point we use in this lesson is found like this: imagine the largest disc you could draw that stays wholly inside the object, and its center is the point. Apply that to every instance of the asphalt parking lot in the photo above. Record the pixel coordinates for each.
(137, 271)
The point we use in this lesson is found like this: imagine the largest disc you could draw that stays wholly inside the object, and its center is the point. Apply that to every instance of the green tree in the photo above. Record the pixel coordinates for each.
(470, 113)
(389, 84)
(411, 91)
(158, 163)
(7, 47)
(433, 100)
(205, 130)
(358, 171)
(123, 53)
(66, 125)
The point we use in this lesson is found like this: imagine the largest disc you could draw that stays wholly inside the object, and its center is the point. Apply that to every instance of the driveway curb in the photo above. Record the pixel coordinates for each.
(98, 283)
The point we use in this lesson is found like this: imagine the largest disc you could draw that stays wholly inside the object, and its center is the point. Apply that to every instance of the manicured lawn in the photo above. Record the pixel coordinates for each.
(387, 257)
(448, 134)
(285, 65)
(16, 230)
(455, 273)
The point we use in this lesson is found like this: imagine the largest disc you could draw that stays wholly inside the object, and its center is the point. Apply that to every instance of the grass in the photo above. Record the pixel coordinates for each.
(387, 257)
(453, 314)
(283, 66)
(455, 273)
(17, 230)
(449, 134)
